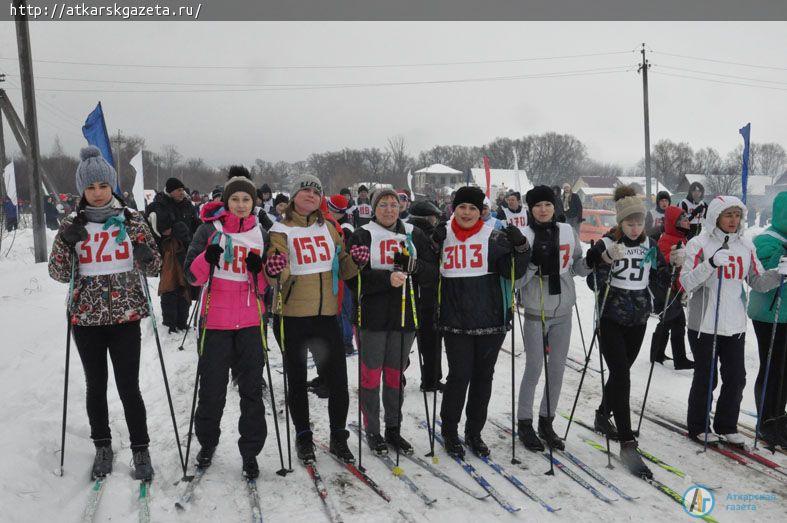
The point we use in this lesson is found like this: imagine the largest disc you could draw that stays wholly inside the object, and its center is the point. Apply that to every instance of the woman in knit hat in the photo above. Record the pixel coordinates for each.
(401, 261)
(226, 256)
(549, 295)
(307, 259)
(102, 251)
(474, 312)
(637, 270)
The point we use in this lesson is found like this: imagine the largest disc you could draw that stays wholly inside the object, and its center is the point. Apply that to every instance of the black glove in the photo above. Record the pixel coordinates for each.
(213, 254)
(143, 255)
(439, 233)
(265, 220)
(253, 263)
(76, 232)
(516, 237)
(404, 262)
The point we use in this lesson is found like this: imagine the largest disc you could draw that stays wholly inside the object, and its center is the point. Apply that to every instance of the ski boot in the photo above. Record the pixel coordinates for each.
(338, 446)
(547, 433)
(453, 446)
(143, 468)
(394, 438)
(102, 464)
(205, 457)
(528, 436)
(604, 426)
(769, 433)
(304, 447)
(683, 363)
(477, 445)
(377, 443)
(632, 460)
(734, 439)
(250, 468)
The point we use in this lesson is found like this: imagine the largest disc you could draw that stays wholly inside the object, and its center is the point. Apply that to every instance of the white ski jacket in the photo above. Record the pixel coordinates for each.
(700, 279)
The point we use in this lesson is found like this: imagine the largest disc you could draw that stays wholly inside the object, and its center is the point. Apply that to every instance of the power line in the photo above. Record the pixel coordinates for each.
(727, 62)
(720, 81)
(300, 87)
(720, 74)
(333, 66)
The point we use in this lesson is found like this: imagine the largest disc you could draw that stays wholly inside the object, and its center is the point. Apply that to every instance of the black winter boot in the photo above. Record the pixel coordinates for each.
(394, 438)
(377, 443)
(339, 446)
(631, 459)
(250, 468)
(143, 468)
(528, 436)
(477, 445)
(205, 457)
(547, 433)
(102, 464)
(453, 445)
(683, 363)
(304, 447)
(603, 425)
(770, 434)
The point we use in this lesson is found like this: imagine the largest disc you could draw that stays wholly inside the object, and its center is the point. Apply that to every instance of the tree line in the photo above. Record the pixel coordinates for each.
(549, 158)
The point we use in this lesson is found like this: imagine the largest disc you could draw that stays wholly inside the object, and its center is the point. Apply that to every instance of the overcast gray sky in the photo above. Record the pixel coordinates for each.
(603, 110)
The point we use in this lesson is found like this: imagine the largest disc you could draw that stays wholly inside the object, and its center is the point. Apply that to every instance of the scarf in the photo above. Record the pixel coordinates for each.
(103, 213)
(546, 252)
(463, 234)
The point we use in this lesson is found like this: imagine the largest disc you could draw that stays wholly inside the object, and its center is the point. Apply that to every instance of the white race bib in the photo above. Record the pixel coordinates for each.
(470, 258)
(567, 244)
(311, 248)
(242, 244)
(517, 219)
(101, 254)
(630, 272)
(365, 211)
(385, 244)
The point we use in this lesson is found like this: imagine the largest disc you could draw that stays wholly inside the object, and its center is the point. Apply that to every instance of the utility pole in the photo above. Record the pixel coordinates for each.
(31, 124)
(119, 141)
(2, 138)
(643, 68)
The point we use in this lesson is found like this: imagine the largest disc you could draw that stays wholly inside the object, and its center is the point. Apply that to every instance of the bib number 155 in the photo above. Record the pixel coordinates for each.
(311, 249)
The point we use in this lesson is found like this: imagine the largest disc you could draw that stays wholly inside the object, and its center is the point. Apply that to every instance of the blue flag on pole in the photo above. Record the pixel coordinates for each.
(95, 132)
(746, 133)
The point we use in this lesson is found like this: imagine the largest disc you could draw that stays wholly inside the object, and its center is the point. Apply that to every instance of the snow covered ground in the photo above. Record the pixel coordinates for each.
(32, 326)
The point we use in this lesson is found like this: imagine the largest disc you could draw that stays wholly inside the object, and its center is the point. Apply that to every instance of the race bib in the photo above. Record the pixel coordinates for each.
(567, 244)
(365, 210)
(385, 244)
(470, 258)
(517, 219)
(631, 272)
(242, 244)
(101, 254)
(311, 248)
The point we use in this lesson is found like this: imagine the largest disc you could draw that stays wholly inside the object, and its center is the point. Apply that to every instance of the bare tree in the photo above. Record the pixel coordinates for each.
(553, 158)
(170, 158)
(376, 162)
(770, 160)
(707, 161)
(401, 162)
(671, 160)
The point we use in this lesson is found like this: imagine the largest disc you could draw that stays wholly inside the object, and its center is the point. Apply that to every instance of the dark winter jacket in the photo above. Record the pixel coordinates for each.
(478, 305)
(771, 246)
(381, 303)
(627, 306)
(426, 299)
(164, 213)
(106, 299)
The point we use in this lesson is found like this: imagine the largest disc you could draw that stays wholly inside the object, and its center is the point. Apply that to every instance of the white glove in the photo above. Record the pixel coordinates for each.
(782, 268)
(678, 256)
(722, 258)
(614, 253)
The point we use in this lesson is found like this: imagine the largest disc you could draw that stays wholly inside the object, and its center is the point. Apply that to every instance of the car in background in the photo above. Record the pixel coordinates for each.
(595, 224)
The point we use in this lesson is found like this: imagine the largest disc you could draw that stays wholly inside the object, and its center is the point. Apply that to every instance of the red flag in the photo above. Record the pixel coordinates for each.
(488, 177)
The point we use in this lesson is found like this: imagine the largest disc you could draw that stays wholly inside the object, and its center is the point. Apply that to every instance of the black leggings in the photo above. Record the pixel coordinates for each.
(774, 404)
(122, 341)
(620, 346)
(321, 335)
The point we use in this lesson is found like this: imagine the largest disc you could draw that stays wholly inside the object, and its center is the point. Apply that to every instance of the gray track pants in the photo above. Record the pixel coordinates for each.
(558, 337)
(382, 356)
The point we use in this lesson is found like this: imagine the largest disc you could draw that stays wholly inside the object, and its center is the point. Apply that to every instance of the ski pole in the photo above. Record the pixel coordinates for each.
(604, 393)
(68, 358)
(592, 343)
(514, 313)
(437, 367)
(761, 408)
(653, 363)
(280, 307)
(146, 288)
(191, 319)
(264, 336)
(200, 348)
(713, 351)
(545, 351)
(360, 355)
(397, 470)
(581, 334)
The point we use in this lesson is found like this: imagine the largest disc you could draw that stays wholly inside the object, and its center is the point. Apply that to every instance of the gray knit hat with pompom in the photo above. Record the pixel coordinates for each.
(94, 168)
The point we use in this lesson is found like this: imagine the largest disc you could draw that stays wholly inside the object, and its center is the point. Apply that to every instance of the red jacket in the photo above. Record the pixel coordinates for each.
(671, 236)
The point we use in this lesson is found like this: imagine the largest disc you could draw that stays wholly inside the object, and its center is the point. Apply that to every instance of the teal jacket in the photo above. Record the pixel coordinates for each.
(771, 245)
